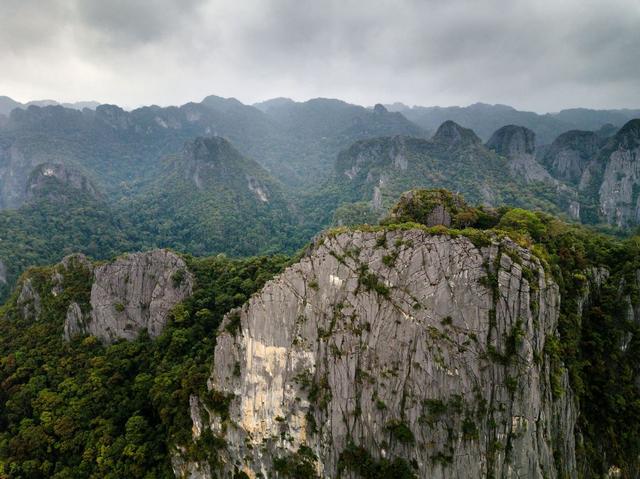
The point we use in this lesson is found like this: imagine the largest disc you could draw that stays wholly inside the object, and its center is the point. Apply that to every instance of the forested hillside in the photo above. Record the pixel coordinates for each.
(74, 406)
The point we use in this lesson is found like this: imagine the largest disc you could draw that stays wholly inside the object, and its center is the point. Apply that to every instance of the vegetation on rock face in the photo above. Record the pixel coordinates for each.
(61, 222)
(82, 409)
(599, 325)
(212, 199)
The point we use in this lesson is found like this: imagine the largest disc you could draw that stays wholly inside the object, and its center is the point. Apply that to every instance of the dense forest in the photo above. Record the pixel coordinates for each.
(87, 409)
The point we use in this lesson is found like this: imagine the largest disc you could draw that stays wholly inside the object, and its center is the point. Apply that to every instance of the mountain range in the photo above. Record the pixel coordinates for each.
(318, 289)
(223, 177)
(449, 340)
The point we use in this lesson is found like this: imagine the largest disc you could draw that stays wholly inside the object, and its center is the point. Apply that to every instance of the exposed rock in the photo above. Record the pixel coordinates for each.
(29, 301)
(570, 153)
(595, 278)
(432, 208)
(260, 190)
(74, 322)
(46, 175)
(14, 171)
(518, 144)
(135, 293)
(3, 273)
(512, 141)
(619, 192)
(451, 134)
(424, 348)
(189, 470)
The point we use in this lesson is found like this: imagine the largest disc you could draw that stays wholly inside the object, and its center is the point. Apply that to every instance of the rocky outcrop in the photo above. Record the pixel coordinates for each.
(132, 294)
(432, 208)
(46, 176)
(570, 153)
(450, 134)
(619, 191)
(210, 162)
(512, 141)
(29, 302)
(116, 300)
(393, 347)
(111, 301)
(518, 144)
(14, 171)
(3, 273)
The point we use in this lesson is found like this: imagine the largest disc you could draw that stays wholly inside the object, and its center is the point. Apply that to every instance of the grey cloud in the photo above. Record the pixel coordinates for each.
(542, 55)
(125, 23)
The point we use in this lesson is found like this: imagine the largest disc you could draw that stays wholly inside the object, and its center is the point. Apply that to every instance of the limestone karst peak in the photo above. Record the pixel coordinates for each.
(512, 140)
(452, 134)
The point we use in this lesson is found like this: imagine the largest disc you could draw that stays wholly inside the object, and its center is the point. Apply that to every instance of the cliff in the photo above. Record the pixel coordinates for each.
(110, 301)
(411, 349)
(409, 353)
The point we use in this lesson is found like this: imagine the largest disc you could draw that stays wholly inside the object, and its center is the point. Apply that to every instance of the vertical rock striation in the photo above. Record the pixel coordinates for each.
(394, 347)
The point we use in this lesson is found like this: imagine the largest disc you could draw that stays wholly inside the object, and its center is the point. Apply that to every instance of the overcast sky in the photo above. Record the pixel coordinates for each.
(541, 55)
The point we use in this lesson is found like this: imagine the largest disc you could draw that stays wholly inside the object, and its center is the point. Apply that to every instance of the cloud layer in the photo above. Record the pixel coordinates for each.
(543, 55)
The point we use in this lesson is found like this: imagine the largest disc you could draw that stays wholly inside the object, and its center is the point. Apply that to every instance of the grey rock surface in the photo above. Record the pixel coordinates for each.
(46, 172)
(413, 346)
(3, 272)
(570, 153)
(518, 144)
(29, 301)
(135, 293)
(619, 191)
(450, 134)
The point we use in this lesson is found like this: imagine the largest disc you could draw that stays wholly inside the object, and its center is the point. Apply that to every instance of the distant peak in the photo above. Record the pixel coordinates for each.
(380, 109)
(46, 176)
(512, 140)
(450, 133)
(221, 103)
(629, 135)
(209, 149)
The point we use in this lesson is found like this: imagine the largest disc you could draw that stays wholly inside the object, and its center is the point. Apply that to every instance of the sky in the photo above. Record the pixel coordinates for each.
(538, 55)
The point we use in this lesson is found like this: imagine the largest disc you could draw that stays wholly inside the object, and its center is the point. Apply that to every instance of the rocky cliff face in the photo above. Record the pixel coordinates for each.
(132, 294)
(619, 191)
(398, 349)
(124, 297)
(44, 177)
(451, 134)
(14, 170)
(518, 144)
(570, 153)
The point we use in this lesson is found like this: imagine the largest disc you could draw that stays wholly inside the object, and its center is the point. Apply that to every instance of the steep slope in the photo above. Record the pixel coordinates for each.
(120, 150)
(486, 119)
(619, 191)
(371, 174)
(518, 144)
(211, 199)
(425, 352)
(458, 394)
(570, 153)
(512, 348)
(89, 408)
(64, 213)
